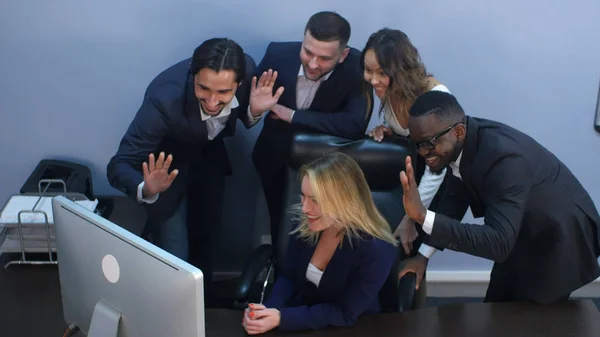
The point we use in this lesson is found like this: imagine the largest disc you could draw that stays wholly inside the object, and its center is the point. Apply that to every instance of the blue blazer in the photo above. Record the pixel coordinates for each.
(339, 108)
(169, 120)
(349, 286)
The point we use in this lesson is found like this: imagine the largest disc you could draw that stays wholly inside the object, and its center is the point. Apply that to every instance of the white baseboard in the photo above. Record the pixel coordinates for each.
(442, 283)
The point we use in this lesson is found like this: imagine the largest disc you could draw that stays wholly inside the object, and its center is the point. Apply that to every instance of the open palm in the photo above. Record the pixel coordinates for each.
(261, 93)
(413, 206)
(157, 178)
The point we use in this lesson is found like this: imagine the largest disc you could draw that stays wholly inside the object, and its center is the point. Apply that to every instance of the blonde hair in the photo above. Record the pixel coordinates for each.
(341, 190)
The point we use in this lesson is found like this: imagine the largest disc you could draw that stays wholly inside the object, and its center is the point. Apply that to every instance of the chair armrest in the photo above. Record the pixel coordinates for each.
(257, 262)
(406, 291)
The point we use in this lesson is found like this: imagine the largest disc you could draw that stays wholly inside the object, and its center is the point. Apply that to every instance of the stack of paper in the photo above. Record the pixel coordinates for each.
(18, 203)
(34, 224)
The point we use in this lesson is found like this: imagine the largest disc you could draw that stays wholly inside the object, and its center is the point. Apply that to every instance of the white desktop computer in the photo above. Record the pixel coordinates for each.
(116, 284)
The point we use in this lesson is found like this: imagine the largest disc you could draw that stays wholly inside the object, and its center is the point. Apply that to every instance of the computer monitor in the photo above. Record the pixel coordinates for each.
(115, 284)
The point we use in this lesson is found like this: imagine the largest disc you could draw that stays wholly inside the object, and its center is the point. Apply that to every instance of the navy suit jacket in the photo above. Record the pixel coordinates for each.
(339, 107)
(349, 286)
(169, 120)
(540, 224)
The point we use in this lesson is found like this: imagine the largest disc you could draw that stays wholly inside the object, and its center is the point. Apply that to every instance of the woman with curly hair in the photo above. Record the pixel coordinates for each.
(393, 69)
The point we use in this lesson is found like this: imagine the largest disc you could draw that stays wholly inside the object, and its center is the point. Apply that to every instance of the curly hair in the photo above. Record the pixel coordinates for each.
(401, 62)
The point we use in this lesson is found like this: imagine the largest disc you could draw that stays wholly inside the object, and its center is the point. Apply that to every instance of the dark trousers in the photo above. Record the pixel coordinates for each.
(171, 234)
(504, 284)
(273, 178)
(205, 196)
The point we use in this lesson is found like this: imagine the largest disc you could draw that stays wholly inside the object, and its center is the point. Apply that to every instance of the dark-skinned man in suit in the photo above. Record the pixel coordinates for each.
(173, 157)
(540, 224)
(310, 85)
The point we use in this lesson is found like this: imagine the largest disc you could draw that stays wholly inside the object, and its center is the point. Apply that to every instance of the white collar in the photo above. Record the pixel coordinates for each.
(456, 163)
(225, 112)
(324, 78)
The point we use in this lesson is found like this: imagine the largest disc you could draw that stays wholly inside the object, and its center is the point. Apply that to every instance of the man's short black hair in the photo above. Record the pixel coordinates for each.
(439, 103)
(329, 26)
(220, 54)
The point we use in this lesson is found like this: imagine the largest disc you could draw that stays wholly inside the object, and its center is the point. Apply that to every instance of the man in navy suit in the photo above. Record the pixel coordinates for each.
(173, 154)
(540, 224)
(318, 87)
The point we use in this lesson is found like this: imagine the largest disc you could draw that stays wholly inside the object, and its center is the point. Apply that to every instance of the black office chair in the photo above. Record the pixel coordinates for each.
(381, 164)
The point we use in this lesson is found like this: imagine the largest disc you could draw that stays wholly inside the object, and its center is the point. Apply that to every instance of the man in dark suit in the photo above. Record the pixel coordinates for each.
(540, 225)
(318, 87)
(186, 112)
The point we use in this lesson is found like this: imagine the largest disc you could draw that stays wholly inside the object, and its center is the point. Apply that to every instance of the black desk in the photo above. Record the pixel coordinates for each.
(575, 318)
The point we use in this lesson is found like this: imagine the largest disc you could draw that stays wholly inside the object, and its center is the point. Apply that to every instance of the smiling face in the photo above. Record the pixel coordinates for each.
(317, 221)
(214, 89)
(374, 74)
(438, 140)
(320, 57)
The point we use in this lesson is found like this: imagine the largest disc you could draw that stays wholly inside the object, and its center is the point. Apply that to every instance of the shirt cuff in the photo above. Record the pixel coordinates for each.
(251, 118)
(140, 198)
(428, 223)
(427, 251)
(292, 117)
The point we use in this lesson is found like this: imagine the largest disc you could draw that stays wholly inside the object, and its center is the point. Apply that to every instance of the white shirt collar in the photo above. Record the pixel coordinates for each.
(324, 78)
(455, 165)
(225, 112)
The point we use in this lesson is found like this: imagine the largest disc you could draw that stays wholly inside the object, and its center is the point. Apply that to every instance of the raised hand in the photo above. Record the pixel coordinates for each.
(157, 178)
(261, 93)
(413, 206)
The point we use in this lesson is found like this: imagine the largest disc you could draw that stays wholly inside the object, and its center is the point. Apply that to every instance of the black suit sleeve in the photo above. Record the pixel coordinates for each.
(453, 203)
(143, 137)
(349, 122)
(243, 92)
(507, 187)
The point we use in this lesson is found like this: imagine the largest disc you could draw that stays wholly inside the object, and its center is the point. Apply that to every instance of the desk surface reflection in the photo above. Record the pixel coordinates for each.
(575, 318)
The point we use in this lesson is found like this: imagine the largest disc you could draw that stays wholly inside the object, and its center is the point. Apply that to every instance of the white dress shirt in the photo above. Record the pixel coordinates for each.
(314, 274)
(430, 182)
(306, 89)
(214, 126)
(426, 250)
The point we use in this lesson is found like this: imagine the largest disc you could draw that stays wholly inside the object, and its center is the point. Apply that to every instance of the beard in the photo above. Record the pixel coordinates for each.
(438, 170)
(446, 162)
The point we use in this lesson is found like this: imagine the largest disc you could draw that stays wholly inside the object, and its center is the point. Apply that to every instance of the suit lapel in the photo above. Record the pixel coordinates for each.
(192, 111)
(288, 78)
(322, 93)
(469, 152)
(329, 89)
(470, 147)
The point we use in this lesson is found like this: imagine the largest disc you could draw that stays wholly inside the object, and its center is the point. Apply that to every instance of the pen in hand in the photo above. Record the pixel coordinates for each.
(262, 293)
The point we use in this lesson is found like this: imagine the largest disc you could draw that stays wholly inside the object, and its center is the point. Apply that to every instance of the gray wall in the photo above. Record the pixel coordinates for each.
(72, 74)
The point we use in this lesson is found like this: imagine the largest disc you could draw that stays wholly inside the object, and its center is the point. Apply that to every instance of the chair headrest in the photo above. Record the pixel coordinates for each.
(381, 162)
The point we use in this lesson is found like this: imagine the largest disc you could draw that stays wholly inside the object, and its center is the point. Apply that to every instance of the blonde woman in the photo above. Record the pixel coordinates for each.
(337, 259)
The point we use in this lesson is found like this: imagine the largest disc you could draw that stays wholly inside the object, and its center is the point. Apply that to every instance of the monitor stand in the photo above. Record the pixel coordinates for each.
(105, 321)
